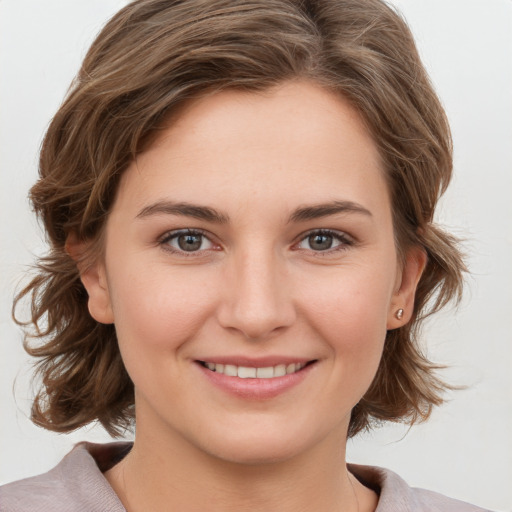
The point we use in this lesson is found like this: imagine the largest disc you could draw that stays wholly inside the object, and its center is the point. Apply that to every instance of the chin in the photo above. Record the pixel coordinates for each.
(255, 452)
(269, 444)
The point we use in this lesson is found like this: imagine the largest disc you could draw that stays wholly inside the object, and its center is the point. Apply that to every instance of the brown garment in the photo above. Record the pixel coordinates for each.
(77, 484)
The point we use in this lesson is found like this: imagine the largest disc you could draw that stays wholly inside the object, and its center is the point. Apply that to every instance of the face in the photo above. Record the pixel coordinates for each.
(251, 273)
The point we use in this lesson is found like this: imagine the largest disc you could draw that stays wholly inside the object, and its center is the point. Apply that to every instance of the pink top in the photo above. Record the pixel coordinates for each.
(77, 484)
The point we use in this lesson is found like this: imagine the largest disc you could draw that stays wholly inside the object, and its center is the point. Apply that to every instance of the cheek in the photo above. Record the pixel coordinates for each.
(159, 308)
(156, 313)
(350, 311)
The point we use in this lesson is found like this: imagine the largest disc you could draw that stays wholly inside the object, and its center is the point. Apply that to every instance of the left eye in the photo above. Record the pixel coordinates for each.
(187, 241)
(323, 241)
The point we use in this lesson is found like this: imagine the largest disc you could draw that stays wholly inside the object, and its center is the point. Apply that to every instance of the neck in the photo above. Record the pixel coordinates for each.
(167, 470)
(171, 475)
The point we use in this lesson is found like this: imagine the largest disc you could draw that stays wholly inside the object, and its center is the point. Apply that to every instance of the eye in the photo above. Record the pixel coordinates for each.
(325, 240)
(186, 240)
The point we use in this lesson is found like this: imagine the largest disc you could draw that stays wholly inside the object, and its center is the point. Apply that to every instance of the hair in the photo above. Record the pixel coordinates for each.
(152, 58)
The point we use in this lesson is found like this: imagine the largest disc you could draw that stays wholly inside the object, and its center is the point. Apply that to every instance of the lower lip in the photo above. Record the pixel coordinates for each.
(253, 388)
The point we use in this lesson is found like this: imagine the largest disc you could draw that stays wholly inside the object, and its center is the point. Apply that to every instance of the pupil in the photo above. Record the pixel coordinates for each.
(320, 242)
(189, 242)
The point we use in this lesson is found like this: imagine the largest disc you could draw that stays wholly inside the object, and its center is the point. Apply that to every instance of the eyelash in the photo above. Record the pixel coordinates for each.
(345, 241)
(174, 235)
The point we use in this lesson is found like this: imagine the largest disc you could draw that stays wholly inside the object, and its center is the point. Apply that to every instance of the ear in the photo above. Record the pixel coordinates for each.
(93, 277)
(405, 291)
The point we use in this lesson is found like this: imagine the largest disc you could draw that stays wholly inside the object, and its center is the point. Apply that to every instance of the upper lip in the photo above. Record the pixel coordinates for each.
(255, 362)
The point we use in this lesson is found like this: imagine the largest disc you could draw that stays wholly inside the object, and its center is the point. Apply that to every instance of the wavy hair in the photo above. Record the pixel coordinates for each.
(152, 58)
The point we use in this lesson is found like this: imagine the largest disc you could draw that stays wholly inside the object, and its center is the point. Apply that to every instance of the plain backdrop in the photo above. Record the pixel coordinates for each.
(465, 450)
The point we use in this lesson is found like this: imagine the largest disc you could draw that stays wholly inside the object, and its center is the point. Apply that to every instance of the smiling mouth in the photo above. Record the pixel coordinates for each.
(247, 372)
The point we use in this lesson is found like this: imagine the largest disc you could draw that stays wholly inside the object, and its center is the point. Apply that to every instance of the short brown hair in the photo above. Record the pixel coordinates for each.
(149, 60)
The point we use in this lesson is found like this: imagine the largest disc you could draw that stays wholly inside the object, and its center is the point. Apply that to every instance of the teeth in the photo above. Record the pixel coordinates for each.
(265, 373)
(246, 372)
(279, 370)
(290, 369)
(231, 370)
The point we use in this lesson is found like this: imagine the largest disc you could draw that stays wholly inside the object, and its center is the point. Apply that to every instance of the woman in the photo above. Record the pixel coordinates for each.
(239, 199)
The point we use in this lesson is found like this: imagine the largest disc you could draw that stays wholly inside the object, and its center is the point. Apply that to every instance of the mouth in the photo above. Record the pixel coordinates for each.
(249, 372)
(253, 379)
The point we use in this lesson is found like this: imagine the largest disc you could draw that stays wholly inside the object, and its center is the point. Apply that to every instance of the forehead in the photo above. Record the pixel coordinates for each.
(295, 142)
(280, 115)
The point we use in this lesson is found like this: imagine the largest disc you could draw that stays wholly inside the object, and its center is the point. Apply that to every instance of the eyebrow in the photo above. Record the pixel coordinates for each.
(325, 209)
(209, 214)
(184, 209)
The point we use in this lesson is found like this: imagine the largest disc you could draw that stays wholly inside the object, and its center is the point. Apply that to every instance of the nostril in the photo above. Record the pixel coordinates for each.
(256, 304)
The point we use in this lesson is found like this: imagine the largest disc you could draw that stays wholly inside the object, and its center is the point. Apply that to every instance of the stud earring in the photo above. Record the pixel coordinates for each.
(399, 314)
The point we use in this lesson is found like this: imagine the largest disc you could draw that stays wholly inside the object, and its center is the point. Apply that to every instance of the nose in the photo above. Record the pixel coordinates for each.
(257, 300)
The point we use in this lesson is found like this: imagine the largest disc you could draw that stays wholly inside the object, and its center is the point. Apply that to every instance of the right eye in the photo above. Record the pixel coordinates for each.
(186, 241)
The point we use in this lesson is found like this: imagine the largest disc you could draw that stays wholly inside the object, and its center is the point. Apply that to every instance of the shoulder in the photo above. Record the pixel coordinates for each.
(396, 496)
(76, 484)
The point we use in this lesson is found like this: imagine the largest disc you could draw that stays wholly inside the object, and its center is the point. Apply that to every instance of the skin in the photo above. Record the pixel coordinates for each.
(255, 287)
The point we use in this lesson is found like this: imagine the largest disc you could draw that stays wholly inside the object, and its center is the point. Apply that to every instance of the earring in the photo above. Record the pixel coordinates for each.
(399, 314)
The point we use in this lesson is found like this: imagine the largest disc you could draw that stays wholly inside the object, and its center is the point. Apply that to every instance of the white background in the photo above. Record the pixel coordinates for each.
(465, 450)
